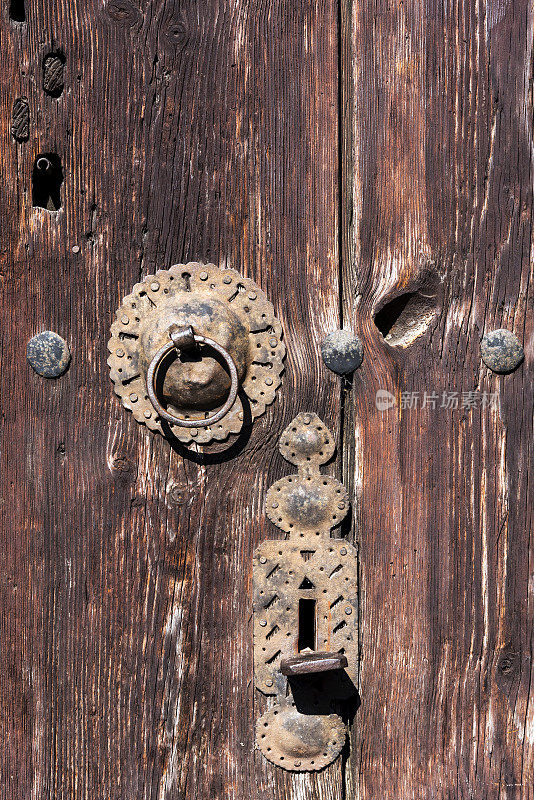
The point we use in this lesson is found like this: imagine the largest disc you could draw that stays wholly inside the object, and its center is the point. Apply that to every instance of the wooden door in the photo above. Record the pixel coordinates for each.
(369, 165)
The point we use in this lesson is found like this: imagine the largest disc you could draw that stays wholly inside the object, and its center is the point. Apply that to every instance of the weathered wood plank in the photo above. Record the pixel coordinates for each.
(199, 131)
(437, 200)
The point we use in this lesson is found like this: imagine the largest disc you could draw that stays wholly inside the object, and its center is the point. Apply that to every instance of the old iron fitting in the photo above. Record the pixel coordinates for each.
(305, 608)
(183, 339)
(221, 325)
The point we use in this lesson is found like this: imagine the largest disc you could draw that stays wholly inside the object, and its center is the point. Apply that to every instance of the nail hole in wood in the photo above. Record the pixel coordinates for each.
(17, 10)
(47, 178)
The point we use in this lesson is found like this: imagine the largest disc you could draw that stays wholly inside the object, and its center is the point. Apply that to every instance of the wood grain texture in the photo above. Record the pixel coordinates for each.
(186, 131)
(437, 206)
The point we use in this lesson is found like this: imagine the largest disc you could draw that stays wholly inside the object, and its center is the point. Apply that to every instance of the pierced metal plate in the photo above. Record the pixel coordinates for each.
(279, 572)
(220, 304)
(308, 565)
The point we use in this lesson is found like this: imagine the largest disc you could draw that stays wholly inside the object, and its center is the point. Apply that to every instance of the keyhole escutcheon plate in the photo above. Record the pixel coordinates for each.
(305, 608)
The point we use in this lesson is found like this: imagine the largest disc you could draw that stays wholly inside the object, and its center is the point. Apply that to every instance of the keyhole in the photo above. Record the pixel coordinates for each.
(17, 12)
(47, 178)
(306, 625)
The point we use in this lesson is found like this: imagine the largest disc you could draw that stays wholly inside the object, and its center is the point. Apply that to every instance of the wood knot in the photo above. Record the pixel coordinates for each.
(507, 669)
(178, 496)
(123, 11)
(508, 664)
(177, 31)
(123, 468)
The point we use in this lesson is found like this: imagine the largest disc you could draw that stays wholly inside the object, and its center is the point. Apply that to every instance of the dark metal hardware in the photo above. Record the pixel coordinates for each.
(312, 663)
(314, 571)
(342, 352)
(501, 351)
(48, 354)
(43, 164)
(197, 394)
(184, 339)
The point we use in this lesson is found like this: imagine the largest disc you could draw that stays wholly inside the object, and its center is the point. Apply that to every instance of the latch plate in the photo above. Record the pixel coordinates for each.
(308, 571)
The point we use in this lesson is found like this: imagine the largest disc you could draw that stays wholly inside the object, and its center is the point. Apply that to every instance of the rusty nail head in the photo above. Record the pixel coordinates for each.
(269, 682)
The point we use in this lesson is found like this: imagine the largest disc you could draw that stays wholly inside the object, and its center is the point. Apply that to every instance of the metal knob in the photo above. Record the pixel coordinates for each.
(182, 339)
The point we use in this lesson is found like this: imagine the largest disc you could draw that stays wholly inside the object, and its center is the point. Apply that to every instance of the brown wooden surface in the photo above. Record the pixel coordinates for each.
(203, 131)
(437, 201)
(210, 132)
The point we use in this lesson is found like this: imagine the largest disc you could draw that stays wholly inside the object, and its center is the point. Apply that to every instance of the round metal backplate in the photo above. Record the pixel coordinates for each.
(299, 742)
(219, 304)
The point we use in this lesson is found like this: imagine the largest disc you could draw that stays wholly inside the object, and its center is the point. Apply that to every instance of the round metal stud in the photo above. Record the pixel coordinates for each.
(342, 352)
(48, 354)
(501, 351)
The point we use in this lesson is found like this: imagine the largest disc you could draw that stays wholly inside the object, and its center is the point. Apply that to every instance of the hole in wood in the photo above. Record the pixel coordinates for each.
(307, 610)
(405, 318)
(53, 74)
(47, 178)
(20, 120)
(17, 10)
